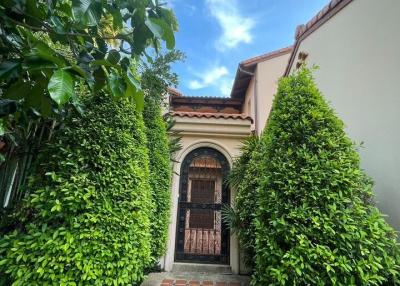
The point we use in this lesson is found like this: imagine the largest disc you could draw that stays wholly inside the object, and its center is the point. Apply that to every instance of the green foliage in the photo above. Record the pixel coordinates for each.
(160, 174)
(61, 87)
(49, 47)
(244, 178)
(86, 220)
(315, 223)
(155, 79)
(160, 78)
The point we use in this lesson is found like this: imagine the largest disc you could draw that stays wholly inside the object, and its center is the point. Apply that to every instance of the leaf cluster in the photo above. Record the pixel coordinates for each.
(86, 220)
(47, 48)
(244, 178)
(156, 77)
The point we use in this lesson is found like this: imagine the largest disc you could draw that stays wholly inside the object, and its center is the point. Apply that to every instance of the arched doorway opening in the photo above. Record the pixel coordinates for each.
(201, 234)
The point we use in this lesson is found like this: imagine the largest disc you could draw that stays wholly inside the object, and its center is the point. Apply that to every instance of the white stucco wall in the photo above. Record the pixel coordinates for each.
(248, 103)
(267, 75)
(358, 54)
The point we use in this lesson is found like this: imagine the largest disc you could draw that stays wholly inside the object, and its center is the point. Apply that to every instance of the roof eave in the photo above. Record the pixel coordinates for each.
(247, 67)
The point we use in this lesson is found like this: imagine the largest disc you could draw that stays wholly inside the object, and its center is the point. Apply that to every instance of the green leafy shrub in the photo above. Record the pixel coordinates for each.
(160, 173)
(315, 223)
(244, 179)
(86, 220)
(156, 77)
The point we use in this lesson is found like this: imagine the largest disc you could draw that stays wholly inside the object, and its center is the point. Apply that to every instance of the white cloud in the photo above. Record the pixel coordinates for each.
(225, 87)
(236, 28)
(208, 77)
(190, 9)
(172, 4)
(195, 84)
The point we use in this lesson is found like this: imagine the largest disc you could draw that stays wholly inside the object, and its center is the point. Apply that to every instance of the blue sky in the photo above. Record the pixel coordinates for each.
(216, 35)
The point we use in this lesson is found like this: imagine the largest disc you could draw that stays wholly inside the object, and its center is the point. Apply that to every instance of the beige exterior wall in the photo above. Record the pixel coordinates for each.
(267, 75)
(261, 90)
(358, 54)
(248, 104)
(224, 135)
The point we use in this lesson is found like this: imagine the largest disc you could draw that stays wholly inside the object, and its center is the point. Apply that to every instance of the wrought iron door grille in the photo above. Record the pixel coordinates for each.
(201, 235)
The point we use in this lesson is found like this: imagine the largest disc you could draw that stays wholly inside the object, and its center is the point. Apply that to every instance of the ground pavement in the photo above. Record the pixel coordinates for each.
(195, 279)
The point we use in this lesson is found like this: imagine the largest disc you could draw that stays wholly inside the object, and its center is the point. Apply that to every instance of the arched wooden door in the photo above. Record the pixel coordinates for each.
(201, 234)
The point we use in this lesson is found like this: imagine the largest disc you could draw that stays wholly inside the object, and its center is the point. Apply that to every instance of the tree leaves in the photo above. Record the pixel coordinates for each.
(7, 106)
(113, 56)
(137, 95)
(87, 12)
(61, 87)
(117, 85)
(161, 30)
(17, 90)
(87, 39)
(43, 51)
(9, 69)
(74, 36)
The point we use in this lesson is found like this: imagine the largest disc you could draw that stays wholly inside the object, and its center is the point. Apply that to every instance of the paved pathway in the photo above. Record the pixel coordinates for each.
(195, 279)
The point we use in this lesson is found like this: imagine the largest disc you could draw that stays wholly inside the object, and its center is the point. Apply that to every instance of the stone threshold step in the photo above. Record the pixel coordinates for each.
(179, 267)
(195, 279)
(171, 282)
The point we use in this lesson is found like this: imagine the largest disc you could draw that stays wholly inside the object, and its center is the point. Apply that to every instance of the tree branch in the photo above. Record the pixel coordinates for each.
(50, 30)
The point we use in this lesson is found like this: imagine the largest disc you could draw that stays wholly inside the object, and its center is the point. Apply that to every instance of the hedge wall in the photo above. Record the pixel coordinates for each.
(315, 223)
(86, 221)
(156, 77)
(244, 179)
(160, 173)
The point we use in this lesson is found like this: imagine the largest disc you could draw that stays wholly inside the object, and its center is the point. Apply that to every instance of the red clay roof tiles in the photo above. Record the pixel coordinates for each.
(211, 115)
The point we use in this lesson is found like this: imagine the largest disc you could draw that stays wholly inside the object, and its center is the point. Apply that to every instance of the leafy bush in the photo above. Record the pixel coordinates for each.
(315, 223)
(244, 179)
(160, 173)
(86, 220)
(156, 77)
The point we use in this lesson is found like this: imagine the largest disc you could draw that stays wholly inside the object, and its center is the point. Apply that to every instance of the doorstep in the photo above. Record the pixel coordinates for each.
(195, 279)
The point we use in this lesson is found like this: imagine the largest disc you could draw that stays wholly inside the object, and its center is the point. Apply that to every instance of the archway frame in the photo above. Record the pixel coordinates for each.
(183, 205)
(168, 261)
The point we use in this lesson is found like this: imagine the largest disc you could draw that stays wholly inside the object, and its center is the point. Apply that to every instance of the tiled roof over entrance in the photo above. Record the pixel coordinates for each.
(211, 115)
(205, 107)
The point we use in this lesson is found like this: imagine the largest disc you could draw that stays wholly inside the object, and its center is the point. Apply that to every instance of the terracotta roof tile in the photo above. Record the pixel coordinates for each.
(174, 91)
(201, 97)
(263, 57)
(211, 115)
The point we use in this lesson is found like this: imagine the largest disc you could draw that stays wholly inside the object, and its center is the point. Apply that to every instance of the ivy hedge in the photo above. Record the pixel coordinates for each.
(156, 77)
(160, 171)
(86, 220)
(315, 223)
(244, 178)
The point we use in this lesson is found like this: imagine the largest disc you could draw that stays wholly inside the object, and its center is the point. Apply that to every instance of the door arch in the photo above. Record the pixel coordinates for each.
(201, 234)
